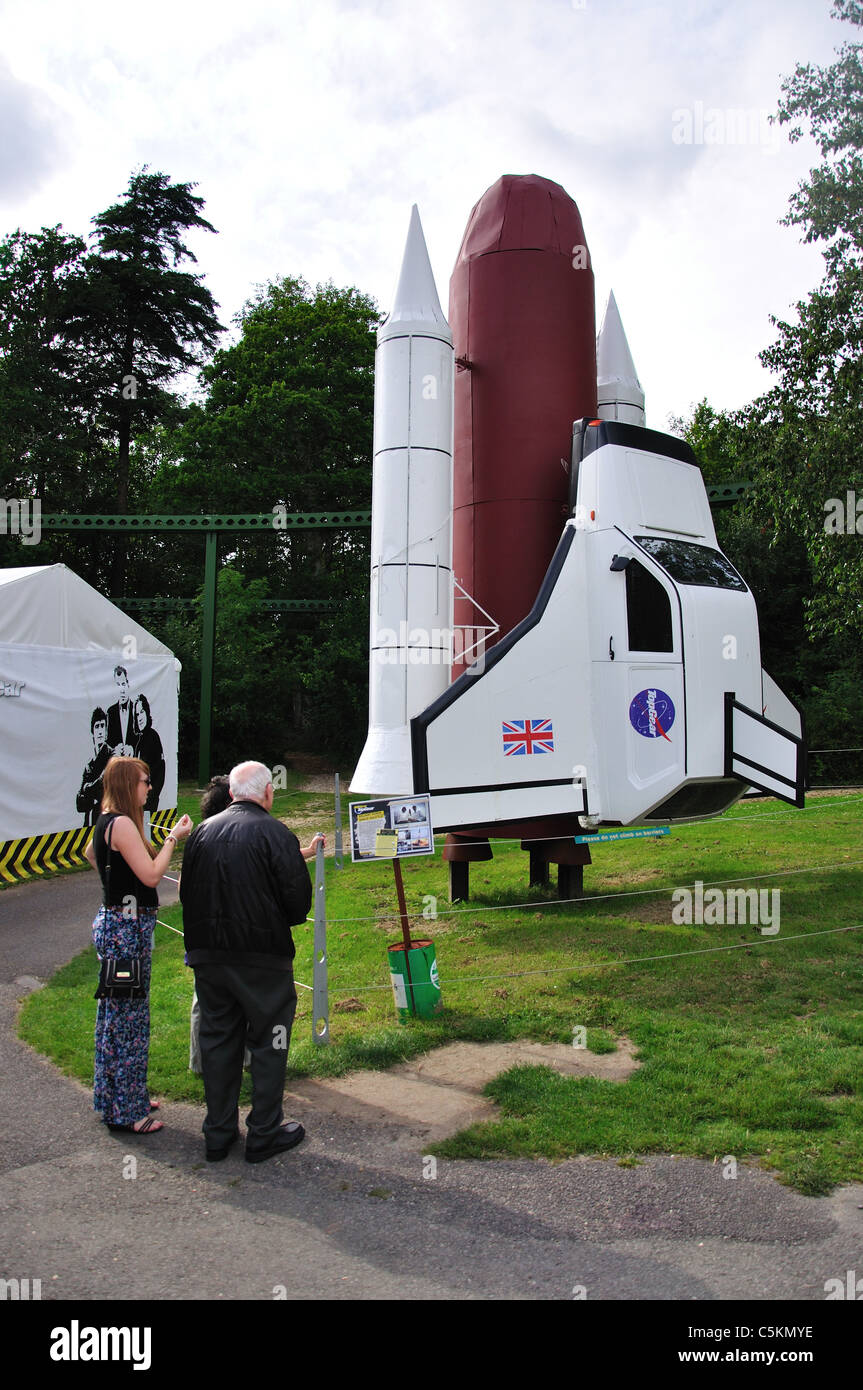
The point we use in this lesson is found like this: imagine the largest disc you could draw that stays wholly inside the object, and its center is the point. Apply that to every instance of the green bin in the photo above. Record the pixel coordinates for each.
(424, 981)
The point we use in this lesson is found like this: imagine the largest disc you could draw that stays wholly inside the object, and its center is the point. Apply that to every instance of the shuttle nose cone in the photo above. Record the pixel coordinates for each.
(618, 390)
(416, 298)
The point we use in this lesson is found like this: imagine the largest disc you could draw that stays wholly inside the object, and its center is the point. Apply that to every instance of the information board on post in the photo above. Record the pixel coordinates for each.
(395, 827)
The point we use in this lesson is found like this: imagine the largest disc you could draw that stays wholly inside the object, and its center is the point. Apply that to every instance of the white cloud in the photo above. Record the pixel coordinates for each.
(311, 130)
(32, 144)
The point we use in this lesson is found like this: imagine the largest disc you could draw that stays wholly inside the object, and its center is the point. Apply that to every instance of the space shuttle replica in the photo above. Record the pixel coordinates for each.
(557, 643)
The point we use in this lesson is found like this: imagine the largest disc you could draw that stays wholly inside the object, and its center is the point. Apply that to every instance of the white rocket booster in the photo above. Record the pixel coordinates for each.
(618, 390)
(411, 540)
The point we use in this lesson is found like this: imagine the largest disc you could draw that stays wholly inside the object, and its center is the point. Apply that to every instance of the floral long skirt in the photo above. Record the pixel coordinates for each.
(123, 1025)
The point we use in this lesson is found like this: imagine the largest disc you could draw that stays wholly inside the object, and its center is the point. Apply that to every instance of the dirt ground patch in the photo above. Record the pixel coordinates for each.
(321, 782)
(439, 1093)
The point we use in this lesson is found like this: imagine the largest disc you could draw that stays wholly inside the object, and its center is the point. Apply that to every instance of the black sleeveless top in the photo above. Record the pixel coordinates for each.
(124, 884)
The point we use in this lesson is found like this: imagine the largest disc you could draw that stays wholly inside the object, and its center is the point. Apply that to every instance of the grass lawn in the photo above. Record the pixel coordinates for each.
(755, 1052)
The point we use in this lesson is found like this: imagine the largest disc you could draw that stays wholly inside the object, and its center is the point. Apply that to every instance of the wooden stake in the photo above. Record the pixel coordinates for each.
(406, 931)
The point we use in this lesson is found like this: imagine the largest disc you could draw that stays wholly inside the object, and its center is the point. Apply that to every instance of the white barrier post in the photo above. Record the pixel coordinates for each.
(320, 993)
(338, 823)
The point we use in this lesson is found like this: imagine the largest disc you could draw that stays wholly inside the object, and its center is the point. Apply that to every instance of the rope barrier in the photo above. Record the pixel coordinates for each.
(602, 897)
(594, 898)
(599, 965)
(160, 923)
(834, 750)
(455, 980)
(728, 819)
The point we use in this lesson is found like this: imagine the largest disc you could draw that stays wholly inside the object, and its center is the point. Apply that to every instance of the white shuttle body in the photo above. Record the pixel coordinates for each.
(633, 692)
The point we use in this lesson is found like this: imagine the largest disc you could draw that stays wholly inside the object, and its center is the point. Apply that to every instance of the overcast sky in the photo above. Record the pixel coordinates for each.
(311, 128)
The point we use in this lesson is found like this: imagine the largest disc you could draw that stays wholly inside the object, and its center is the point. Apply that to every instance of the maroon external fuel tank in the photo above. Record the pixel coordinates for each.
(521, 310)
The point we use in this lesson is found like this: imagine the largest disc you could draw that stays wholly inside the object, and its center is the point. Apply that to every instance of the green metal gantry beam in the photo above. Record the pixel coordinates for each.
(276, 520)
(266, 605)
(727, 494)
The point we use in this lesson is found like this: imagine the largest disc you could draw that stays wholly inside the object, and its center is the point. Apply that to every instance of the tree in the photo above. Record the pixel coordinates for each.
(140, 319)
(829, 205)
(90, 343)
(256, 679)
(286, 422)
(52, 444)
(43, 412)
(806, 435)
(802, 442)
(719, 441)
(288, 409)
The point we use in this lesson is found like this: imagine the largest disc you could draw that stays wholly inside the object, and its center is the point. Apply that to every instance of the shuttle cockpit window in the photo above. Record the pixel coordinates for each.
(648, 611)
(693, 564)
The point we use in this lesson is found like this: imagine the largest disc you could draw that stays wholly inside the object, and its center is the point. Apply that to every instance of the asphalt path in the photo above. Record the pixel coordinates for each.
(353, 1214)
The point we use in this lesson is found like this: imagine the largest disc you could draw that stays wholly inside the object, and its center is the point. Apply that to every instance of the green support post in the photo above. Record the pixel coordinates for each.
(208, 643)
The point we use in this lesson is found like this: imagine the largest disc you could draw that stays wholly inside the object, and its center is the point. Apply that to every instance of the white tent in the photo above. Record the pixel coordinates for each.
(73, 670)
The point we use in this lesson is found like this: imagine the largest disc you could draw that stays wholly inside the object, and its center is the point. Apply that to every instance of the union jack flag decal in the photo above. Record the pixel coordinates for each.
(527, 736)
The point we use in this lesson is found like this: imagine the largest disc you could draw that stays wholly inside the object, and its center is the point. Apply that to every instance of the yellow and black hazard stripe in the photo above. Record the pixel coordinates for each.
(64, 849)
(160, 824)
(40, 854)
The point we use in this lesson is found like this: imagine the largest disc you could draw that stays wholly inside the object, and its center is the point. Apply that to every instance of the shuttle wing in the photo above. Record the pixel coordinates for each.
(762, 753)
(776, 705)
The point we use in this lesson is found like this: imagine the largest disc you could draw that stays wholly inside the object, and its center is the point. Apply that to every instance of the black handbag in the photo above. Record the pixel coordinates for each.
(120, 979)
(119, 976)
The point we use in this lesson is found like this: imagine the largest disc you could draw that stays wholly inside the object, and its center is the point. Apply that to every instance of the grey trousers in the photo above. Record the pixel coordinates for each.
(195, 1041)
(244, 1005)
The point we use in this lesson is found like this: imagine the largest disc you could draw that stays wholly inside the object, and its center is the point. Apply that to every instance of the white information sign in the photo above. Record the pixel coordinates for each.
(398, 827)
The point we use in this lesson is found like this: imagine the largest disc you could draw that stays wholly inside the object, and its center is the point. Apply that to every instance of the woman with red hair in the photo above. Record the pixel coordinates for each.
(130, 869)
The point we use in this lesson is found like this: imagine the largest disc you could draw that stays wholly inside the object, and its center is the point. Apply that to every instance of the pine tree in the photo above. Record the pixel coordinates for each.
(140, 320)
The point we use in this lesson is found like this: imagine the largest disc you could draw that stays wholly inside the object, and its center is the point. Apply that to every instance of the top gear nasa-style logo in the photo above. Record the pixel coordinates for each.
(651, 714)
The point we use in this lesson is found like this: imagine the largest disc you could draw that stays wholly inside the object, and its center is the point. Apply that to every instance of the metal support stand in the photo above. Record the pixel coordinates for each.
(538, 869)
(460, 852)
(570, 859)
(320, 992)
(338, 824)
(570, 880)
(459, 881)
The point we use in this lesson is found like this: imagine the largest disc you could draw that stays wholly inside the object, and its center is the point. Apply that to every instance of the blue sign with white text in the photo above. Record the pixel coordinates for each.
(648, 832)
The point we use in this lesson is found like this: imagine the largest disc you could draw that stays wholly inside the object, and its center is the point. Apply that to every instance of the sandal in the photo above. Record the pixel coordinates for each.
(146, 1126)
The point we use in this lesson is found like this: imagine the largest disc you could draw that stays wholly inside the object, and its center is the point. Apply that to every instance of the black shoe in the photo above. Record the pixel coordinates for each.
(286, 1138)
(216, 1155)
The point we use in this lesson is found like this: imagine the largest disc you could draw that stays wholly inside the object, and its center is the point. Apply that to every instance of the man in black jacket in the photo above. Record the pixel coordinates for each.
(244, 884)
(89, 798)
